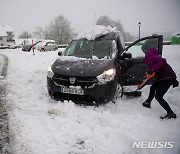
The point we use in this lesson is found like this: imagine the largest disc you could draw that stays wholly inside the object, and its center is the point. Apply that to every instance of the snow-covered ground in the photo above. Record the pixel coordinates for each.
(41, 125)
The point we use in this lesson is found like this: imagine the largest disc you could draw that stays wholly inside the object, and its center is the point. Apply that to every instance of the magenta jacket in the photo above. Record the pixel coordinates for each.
(158, 64)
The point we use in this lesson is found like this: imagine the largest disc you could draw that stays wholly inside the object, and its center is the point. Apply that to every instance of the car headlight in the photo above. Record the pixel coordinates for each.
(106, 76)
(50, 72)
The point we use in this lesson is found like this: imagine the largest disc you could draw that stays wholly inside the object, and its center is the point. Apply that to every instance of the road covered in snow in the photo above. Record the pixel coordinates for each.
(41, 125)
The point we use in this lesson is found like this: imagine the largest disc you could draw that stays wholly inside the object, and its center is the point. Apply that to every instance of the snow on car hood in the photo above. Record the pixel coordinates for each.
(81, 67)
(95, 31)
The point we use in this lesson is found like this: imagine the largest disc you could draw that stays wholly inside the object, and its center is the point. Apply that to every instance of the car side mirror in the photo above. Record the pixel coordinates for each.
(127, 55)
(59, 53)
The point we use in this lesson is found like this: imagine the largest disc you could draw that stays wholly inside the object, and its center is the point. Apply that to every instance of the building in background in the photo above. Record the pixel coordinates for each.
(6, 36)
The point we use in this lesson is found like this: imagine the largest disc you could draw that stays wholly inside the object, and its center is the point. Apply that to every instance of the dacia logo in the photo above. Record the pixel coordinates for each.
(72, 80)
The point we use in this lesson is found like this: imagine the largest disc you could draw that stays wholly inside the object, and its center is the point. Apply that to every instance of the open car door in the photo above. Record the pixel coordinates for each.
(133, 69)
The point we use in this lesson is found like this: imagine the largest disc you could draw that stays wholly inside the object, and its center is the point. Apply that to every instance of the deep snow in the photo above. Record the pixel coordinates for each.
(41, 125)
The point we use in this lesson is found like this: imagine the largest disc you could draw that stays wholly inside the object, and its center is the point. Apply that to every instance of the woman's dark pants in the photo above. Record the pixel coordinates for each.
(157, 90)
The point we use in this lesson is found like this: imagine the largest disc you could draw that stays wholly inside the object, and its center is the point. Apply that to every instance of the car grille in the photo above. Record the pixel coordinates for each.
(79, 81)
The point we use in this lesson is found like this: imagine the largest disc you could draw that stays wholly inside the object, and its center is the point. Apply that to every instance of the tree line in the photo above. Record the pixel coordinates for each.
(61, 31)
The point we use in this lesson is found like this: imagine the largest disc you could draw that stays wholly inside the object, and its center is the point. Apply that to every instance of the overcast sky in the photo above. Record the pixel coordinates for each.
(155, 15)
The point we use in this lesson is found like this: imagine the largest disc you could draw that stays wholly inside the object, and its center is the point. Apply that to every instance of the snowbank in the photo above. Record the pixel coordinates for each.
(41, 125)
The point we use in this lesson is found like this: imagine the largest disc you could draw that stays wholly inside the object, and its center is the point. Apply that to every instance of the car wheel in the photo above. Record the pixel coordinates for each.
(42, 50)
(118, 93)
(55, 49)
(50, 94)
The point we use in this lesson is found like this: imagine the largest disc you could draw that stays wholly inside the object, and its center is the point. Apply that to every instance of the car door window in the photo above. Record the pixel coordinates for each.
(134, 68)
(140, 48)
(48, 47)
(136, 51)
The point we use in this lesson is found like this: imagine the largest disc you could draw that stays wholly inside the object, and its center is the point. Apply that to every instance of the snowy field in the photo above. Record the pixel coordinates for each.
(41, 125)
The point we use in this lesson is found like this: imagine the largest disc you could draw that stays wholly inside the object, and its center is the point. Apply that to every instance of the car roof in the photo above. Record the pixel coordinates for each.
(109, 36)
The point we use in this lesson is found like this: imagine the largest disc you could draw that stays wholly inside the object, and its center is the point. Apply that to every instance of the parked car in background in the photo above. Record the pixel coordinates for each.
(47, 46)
(28, 47)
(96, 70)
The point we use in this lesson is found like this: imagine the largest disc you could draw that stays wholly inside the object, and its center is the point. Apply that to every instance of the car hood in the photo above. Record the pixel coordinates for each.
(86, 68)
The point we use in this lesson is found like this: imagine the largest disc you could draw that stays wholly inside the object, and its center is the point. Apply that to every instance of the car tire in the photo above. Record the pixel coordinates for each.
(42, 50)
(50, 94)
(118, 93)
(55, 49)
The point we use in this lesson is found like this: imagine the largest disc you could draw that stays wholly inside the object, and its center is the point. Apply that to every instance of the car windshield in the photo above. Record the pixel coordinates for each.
(89, 48)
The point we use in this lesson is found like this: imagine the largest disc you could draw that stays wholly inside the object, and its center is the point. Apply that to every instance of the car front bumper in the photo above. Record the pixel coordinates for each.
(98, 93)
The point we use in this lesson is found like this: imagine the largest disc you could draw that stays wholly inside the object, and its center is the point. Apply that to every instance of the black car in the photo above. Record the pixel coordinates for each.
(28, 47)
(97, 70)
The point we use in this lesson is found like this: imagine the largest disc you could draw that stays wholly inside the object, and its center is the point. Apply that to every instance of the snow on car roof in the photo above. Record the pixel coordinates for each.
(95, 31)
(43, 42)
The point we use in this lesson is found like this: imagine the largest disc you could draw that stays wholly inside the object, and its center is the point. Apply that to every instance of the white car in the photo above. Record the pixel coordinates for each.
(47, 46)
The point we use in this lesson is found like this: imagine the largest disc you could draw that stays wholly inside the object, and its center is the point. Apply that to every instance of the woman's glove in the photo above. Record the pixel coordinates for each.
(150, 72)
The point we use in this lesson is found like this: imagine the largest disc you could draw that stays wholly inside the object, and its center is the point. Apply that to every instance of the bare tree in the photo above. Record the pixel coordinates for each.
(46, 33)
(25, 34)
(60, 30)
(38, 32)
(106, 21)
